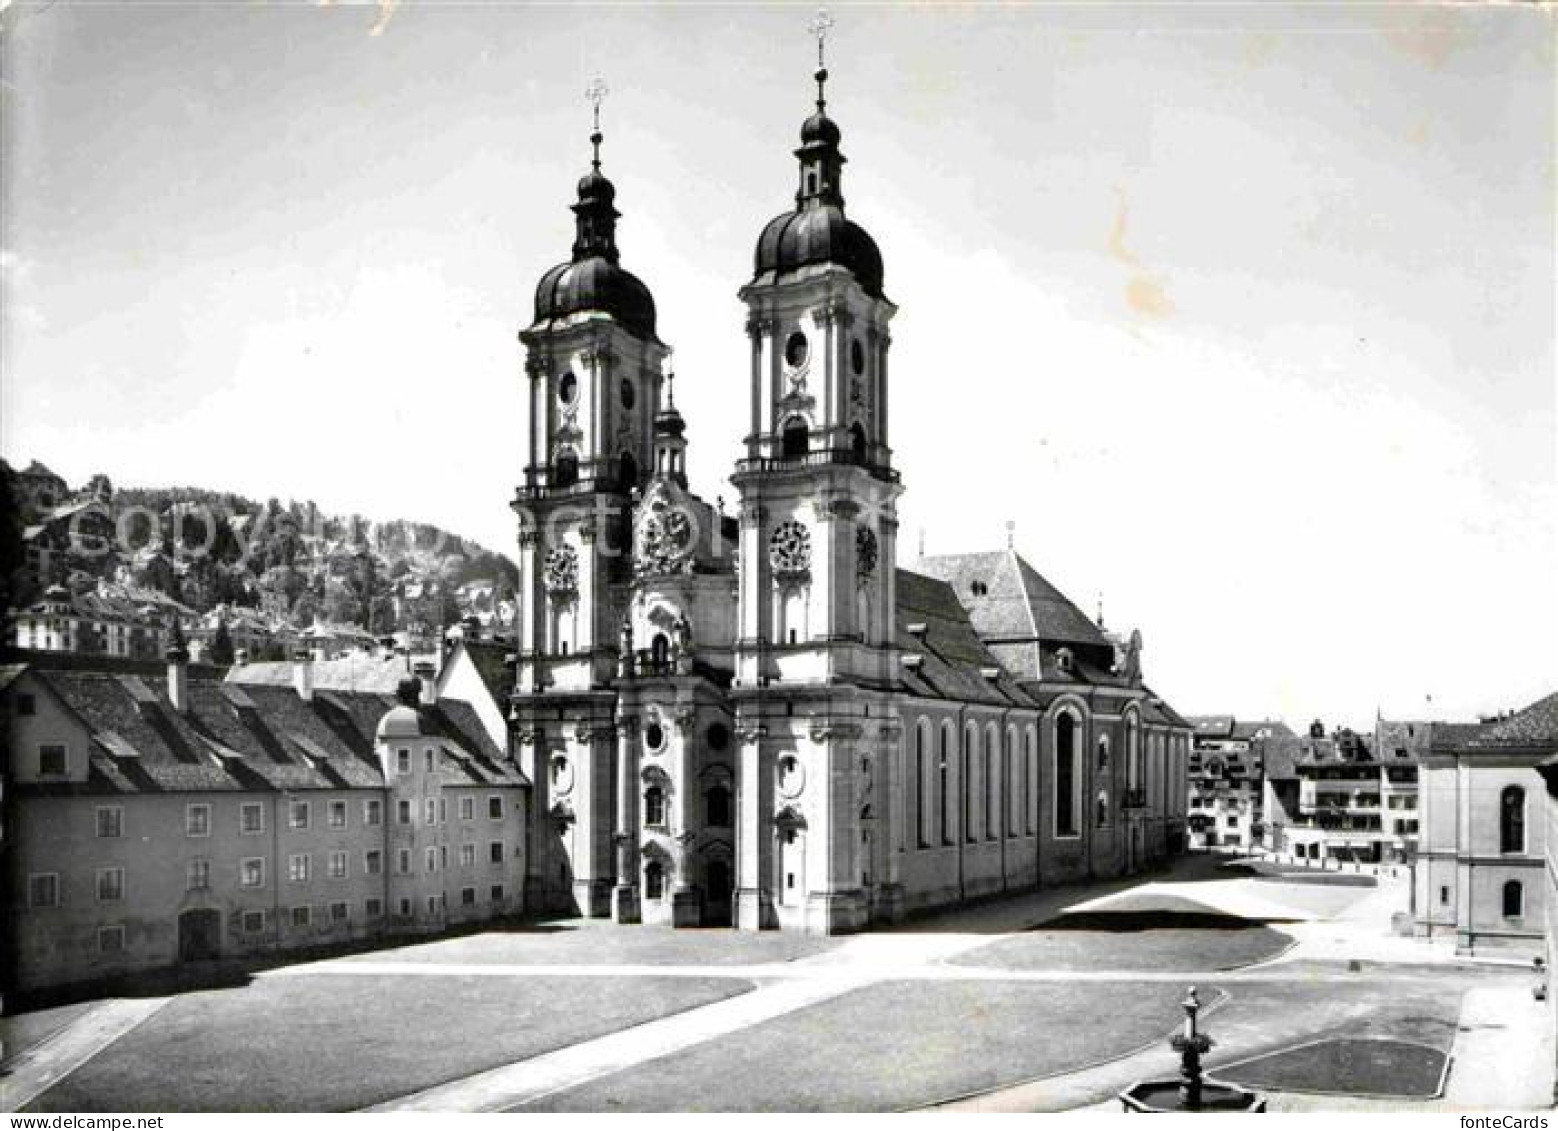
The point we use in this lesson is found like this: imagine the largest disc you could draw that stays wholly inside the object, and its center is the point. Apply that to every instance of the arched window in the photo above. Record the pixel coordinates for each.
(627, 473)
(857, 443)
(654, 880)
(1514, 900)
(654, 806)
(1065, 775)
(565, 472)
(716, 804)
(970, 760)
(796, 438)
(1132, 752)
(1103, 754)
(1512, 820)
(660, 651)
(943, 771)
(1102, 815)
(917, 805)
(1016, 783)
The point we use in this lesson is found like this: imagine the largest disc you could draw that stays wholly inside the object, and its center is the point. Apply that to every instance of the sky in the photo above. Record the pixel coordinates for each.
(1243, 315)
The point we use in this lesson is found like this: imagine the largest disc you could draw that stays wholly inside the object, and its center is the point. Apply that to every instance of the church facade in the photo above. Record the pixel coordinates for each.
(757, 719)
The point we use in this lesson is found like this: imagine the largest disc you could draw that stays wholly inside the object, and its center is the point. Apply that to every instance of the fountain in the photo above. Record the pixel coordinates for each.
(1193, 1090)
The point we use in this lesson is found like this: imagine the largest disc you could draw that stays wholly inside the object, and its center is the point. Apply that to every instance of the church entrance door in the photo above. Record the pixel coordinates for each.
(717, 896)
(200, 935)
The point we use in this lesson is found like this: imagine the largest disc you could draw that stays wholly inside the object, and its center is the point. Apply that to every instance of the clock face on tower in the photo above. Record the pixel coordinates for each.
(789, 548)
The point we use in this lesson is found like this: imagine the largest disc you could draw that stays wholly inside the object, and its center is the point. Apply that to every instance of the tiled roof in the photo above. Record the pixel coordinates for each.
(1534, 726)
(1016, 602)
(488, 658)
(954, 659)
(358, 672)
(261, 738)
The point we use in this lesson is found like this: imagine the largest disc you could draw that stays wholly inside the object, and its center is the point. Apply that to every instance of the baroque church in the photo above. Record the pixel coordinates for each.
(758, 720)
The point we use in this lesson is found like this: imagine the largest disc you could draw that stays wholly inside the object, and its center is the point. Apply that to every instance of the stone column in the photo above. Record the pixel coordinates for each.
(754, 833)
(686, 904)
(625, 906)
(890, 800)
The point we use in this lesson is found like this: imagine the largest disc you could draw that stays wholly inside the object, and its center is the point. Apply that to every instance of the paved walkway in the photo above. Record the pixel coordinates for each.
(44, 1065)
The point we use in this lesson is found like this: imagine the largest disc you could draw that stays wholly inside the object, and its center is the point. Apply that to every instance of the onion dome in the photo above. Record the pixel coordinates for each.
(593, 280)
(817, 231)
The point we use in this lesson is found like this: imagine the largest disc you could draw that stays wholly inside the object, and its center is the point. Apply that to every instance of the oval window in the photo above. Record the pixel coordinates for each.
(629, 395)
(796, 350)
(857, 356)
(654, 736)
(567, 388)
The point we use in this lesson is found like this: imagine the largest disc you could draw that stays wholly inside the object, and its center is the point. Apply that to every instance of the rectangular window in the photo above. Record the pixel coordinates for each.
(338, 913)
(251, 872)
(1444, 896)
(467, 856)
(298, 867)
(26, 705)
(110, 821)
(495, 852)
(110, 940)
(495, 808)
(467, 808)
(403, 762)
(443, 857)
(403, 862)
(403, 812)
(43, 889)
(197, 876)
(432, 905)
(251, 818)
(337, 814)
(338, 865)
(373, 862)
(430, 812)
(302, 916)
(110, 885)
(427, 760)
(467, 897)
(197, 820)
(253, 922)
(405, 908)
(432, 860)
(497, 893)
(51, 760)
(374, 908)
(372, 812)
(297, 814)
(443, 811)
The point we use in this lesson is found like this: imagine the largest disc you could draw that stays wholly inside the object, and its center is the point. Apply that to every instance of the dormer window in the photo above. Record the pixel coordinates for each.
(978, 588)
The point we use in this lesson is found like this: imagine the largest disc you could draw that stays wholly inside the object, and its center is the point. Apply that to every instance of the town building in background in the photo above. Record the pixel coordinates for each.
(1480, 873)
(1226, 802)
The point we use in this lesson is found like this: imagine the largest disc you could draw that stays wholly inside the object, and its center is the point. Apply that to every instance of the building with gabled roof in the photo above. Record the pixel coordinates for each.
(163, 816)
(1480, 872)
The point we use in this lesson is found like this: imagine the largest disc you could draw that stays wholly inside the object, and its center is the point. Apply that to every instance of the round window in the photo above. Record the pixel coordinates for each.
(796, 350)
(719, 736)
(567, 388)
(654, 736)
(629, 394)
(857, 356)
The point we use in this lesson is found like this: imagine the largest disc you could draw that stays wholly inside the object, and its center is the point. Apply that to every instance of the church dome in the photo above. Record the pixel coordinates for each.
(819, 234)
(596, 284)
(820, 128)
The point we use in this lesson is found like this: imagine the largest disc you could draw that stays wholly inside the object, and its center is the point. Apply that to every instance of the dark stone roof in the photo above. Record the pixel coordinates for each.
(1017, 603)
(954, 659)
(489, 656)
(249, 737)
(599, 285)
(1534, 727)
(817, 234)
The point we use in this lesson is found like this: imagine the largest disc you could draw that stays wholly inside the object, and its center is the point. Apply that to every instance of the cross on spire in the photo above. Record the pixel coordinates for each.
(819, 27)
(596, 94)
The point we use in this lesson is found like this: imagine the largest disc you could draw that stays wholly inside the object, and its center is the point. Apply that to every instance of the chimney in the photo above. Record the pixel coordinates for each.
(303, 674)
(424, 671)
(178, 670)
